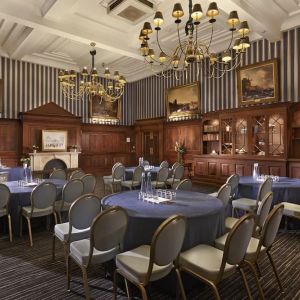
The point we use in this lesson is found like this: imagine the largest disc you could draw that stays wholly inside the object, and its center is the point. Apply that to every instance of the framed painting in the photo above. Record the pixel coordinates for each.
(258, 83)
(183, 101)
(101, 109)
(54, 140)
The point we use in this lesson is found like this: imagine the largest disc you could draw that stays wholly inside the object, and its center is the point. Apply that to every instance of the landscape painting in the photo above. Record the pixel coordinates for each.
(101, 109)
(54, 140)
(183, 100)
(258, 83)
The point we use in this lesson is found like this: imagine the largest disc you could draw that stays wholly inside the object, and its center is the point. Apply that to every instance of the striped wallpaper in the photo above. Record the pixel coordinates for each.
(218, 94)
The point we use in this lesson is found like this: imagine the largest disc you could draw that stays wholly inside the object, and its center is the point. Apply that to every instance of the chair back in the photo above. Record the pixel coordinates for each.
(43, 195)
(83, 211)
(224, 194)
(72, 190)
(264, 209)
(185, 185)
(137, 174)
(77, 174)
(114, 166)
(233, 181)
(146, 163)
(238, 240)
(178, 172)
(89, 183)
(176, 163)
(265, 188)
(164, 164)
(167, 240)
(4, 196)
(58, 174)
(108, 229)
(271, 226)
(118, 172)
(162, 175)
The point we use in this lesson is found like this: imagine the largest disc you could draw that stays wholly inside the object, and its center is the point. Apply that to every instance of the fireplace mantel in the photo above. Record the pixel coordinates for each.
(38, 160)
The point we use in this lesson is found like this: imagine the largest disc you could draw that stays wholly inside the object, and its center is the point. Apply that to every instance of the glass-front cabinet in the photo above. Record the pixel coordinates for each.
(226, 136)
(258, 135)
(276, 135)
(241, 136)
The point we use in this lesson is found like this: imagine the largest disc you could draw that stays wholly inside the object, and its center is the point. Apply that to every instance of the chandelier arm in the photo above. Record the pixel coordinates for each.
(231, 40)
(211, 36)
(179, 39)
(159, 46)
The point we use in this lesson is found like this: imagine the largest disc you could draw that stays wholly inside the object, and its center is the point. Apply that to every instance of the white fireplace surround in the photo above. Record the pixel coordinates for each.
(38, 160)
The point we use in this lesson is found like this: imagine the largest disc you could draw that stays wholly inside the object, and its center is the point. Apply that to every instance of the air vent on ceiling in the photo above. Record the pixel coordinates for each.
(132, 11)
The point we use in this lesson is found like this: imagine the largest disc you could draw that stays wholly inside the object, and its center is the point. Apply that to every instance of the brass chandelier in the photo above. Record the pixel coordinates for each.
(192, 50)
(77, 85)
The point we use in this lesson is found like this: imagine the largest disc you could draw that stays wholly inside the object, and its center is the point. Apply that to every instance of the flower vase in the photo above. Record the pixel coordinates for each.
(34, 150)
(24, 165)
(179, 157)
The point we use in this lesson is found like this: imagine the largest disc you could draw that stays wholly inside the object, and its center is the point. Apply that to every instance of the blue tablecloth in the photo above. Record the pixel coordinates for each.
(15, 174)
(129, 172)
(20, 196)
(205, 217)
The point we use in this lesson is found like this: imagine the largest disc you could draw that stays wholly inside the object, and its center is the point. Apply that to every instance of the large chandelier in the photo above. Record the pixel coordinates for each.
(77, 85)
(192, 49)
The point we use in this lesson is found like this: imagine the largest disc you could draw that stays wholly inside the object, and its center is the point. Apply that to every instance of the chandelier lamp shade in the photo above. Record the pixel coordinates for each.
(77, 85)
(193, 49)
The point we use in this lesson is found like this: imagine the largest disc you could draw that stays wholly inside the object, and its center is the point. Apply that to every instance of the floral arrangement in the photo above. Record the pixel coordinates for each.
(73, 147)
(180, 148)
(25, 159)
(35, 147)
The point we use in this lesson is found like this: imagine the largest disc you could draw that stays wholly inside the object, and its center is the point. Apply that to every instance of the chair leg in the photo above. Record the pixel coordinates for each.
(127, 288)
(181, 287)
(68, 271)
(143, 292)
(21, 226)
(53, 247)
(9, 228)
(245, 283)
(55, 217)
(85, 283)
(215, 290)
(254, 271)
(275, 270)
(112, 188)
(30, 232)
(59, 217)
(258, 270)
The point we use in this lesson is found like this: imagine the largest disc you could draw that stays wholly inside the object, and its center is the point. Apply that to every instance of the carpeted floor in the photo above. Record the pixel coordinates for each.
(29, 273)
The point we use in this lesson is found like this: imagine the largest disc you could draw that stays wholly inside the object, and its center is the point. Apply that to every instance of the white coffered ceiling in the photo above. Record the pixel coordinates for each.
(58, 32)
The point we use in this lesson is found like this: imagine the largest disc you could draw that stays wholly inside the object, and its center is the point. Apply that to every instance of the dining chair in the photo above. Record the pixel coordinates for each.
(77, 174)
(261, 245)
(112, 170)
(211, 265)
(291, 210)
(164, 164)
(70, 192)
(176, 176)
(260, 215)
(162, 176)
(116, 179)
(233, 181)
(176, 163)
(146, 163)
(89, 183)
(185, 184)
(251, 205)
(3, 177)
(58, 174)
(223, 194)
(42, 200)
(148, 263)
(104, 243)
(4, 203)
(136, 179)
(81, 215)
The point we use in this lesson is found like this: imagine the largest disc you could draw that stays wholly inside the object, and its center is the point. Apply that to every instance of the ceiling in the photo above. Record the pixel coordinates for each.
(58, 32)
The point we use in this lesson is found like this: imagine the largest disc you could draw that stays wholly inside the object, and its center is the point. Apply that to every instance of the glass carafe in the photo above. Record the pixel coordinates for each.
(255, 173)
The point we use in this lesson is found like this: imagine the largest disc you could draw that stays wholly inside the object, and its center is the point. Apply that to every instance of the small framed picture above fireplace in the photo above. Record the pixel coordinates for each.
(54, 140)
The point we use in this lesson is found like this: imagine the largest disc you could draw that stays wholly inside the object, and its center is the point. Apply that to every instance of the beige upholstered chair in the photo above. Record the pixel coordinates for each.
(70, 192)
(224, 194)
(3, 177)
(4, 201)
(105, 242)
(233, 181)
(112, 170)
(211, 265)
(116, 179)
(258, 246)
(164, 164)
(146, 163)
(176, 176)
(77, 174)
(291, 210)
(176, 163)
(185, 184)
(162, 176)
(81, 215)
(260, 215)
(148, 263)
(136, 179)
(251, 205)
(89, 183)
(42, 199)
(58, 174)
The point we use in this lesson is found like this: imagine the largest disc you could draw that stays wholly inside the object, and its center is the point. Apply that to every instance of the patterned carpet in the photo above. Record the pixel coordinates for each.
(29, 273)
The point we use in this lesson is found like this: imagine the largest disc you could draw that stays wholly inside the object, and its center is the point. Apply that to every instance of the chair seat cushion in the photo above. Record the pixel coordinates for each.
(110, 181)
(214, 194)
(205, 260)
(3, 212)
(79, 251)
(171, 181)
(61, 231)
(66, 206)
(134, 265)
(246, 204)
(130, 183)
(230, 222)
(107, 177)
(159, 184)
(291, 209)
(37, 212)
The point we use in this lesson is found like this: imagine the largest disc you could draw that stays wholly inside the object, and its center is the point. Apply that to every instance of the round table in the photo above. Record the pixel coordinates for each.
(129, 172)
(205, 217)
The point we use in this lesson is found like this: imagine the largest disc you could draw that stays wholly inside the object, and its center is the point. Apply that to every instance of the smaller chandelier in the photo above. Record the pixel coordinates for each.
(192, 49)
(77, 85)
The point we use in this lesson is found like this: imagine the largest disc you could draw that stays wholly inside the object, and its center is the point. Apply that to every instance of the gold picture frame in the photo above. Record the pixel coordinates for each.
(183, 101)
(101, 109)
(258, 83)
(54, 140)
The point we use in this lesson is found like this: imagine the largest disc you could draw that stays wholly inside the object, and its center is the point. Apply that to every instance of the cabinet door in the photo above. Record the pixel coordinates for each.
(241, 136)
(201, 168)
(226, 136)
(259, 136)
(276, 135)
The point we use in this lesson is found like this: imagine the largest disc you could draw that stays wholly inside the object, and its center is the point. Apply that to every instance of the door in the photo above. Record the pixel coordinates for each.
(151, 147)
